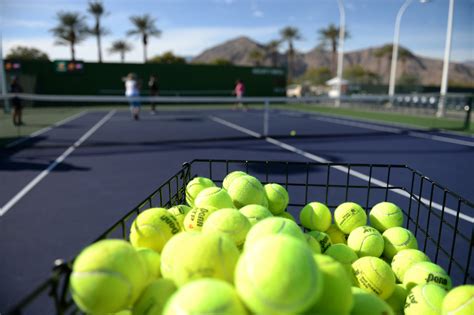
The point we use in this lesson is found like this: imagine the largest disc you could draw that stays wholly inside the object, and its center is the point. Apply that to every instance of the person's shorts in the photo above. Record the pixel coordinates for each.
(134, 103)
(16, 103)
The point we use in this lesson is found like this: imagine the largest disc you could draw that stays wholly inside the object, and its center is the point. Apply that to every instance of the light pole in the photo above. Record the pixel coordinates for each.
(447, 52)
(340, 58)
(396, 40)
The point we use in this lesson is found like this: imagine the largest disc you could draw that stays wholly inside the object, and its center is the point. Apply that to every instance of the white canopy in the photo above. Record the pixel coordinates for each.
(335, 81)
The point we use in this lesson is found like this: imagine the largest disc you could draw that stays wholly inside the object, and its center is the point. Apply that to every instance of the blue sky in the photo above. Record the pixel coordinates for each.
(190, 26)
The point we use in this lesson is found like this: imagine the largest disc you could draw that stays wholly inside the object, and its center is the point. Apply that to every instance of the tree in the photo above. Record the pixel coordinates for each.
(386, 52)
(360, 75)
(409, 80)
(330, 36)
(71, 30)
(96, 9)
(256, 56)
(317, 76)
(290, 34)
(168, 57)
(272, 50)
(121, 47)
(221, 62)
(144, 27)
(26, 53)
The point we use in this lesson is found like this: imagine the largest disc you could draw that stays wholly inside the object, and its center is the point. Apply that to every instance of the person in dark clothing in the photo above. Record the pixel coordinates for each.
(15, 88)
(153, 86)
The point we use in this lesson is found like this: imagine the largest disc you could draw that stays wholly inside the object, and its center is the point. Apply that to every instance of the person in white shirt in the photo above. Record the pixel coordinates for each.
(132, 89)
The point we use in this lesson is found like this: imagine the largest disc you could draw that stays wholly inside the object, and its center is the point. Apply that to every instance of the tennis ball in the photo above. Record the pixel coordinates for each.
(366, 241)
(230, 177)
(213, 198)
(426, 272)
(374, 275)
(336, 235)
(195, 255)
(287, 215)
(404, 259)
(194, 187)
(179, 212)
(153, 299)
(397, 239)
(107, 277)
(205, 296)
(344, 255)
(369, 303)
(195, 218)
(349, 216)
(385, 215)
(313, 244)
(230, 222)
(336, 296)
(292, 133)
(426, 299)
(397, 299)
(315, 216)
(322, 238)
(255, 213)
(259, 276)
(247, 190)
(273, 225)
(151, 260)
(459, 301)
(153, 228)
(277, 197)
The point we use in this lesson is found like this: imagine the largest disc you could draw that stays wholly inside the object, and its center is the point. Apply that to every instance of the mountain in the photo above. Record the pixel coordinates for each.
(428, 70)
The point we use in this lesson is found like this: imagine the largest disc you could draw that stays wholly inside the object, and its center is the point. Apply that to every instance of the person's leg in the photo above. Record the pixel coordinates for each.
(20, 115)
(15, 115)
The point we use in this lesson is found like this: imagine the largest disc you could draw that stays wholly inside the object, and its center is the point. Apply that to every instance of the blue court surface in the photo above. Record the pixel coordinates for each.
(61, 189)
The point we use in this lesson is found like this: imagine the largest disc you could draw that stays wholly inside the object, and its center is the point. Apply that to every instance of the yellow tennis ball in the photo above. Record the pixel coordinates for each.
(255, 213)
(213, 198)
(336, 297)
(316, 216)
(344, 255)
(287, 215)
(273, 225)
(368, 303)
(336, 235)
(425, 299)
(153, 228)
(397, 239)
(313, 244)
(199, 255)
(107, 277)
(397, 299)
(179, 212)
(230, 222)
(195, 218)
(459, 301)
(247, 190)
(323, 239)
(349, 216)
(153, 299)
(194, 187)
(230, 177)
(205, 296)
(277, 197)
(260, 282)
(426, 272)
(152, 260)
(404, 259)
(385, 215)
(374, 275)
(366, 241)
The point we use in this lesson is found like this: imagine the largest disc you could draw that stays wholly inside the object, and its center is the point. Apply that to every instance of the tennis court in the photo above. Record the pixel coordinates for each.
(68, 183)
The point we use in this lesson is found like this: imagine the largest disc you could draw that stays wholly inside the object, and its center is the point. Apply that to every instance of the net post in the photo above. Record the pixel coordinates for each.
(265, 117)
(468, 109)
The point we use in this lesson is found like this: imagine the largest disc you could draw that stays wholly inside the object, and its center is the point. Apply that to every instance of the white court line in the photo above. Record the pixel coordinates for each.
(56, 162)
(344, 169)
(41, 131)
(357, 124)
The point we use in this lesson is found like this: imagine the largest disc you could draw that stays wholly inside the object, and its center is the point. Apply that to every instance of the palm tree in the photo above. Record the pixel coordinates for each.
(144, 27)
(272, 50)
(96, 9)
(290, 34)
(71, 30)
(121, 47)
(256, 56)
(330, 35)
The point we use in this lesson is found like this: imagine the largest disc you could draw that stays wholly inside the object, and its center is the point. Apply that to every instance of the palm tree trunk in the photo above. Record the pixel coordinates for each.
(334, 55)
(122, 56)
(290, 61)
(99, 46)
(145, 42)
(73, 52)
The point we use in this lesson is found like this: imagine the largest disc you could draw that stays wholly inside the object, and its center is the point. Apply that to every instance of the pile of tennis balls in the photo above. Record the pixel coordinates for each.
(236, 250)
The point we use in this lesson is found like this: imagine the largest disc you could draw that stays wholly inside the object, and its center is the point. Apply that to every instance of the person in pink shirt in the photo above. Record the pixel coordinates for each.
(239, 92)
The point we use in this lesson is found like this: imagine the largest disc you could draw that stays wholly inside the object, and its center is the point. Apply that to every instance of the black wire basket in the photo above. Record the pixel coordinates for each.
(441, 220)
